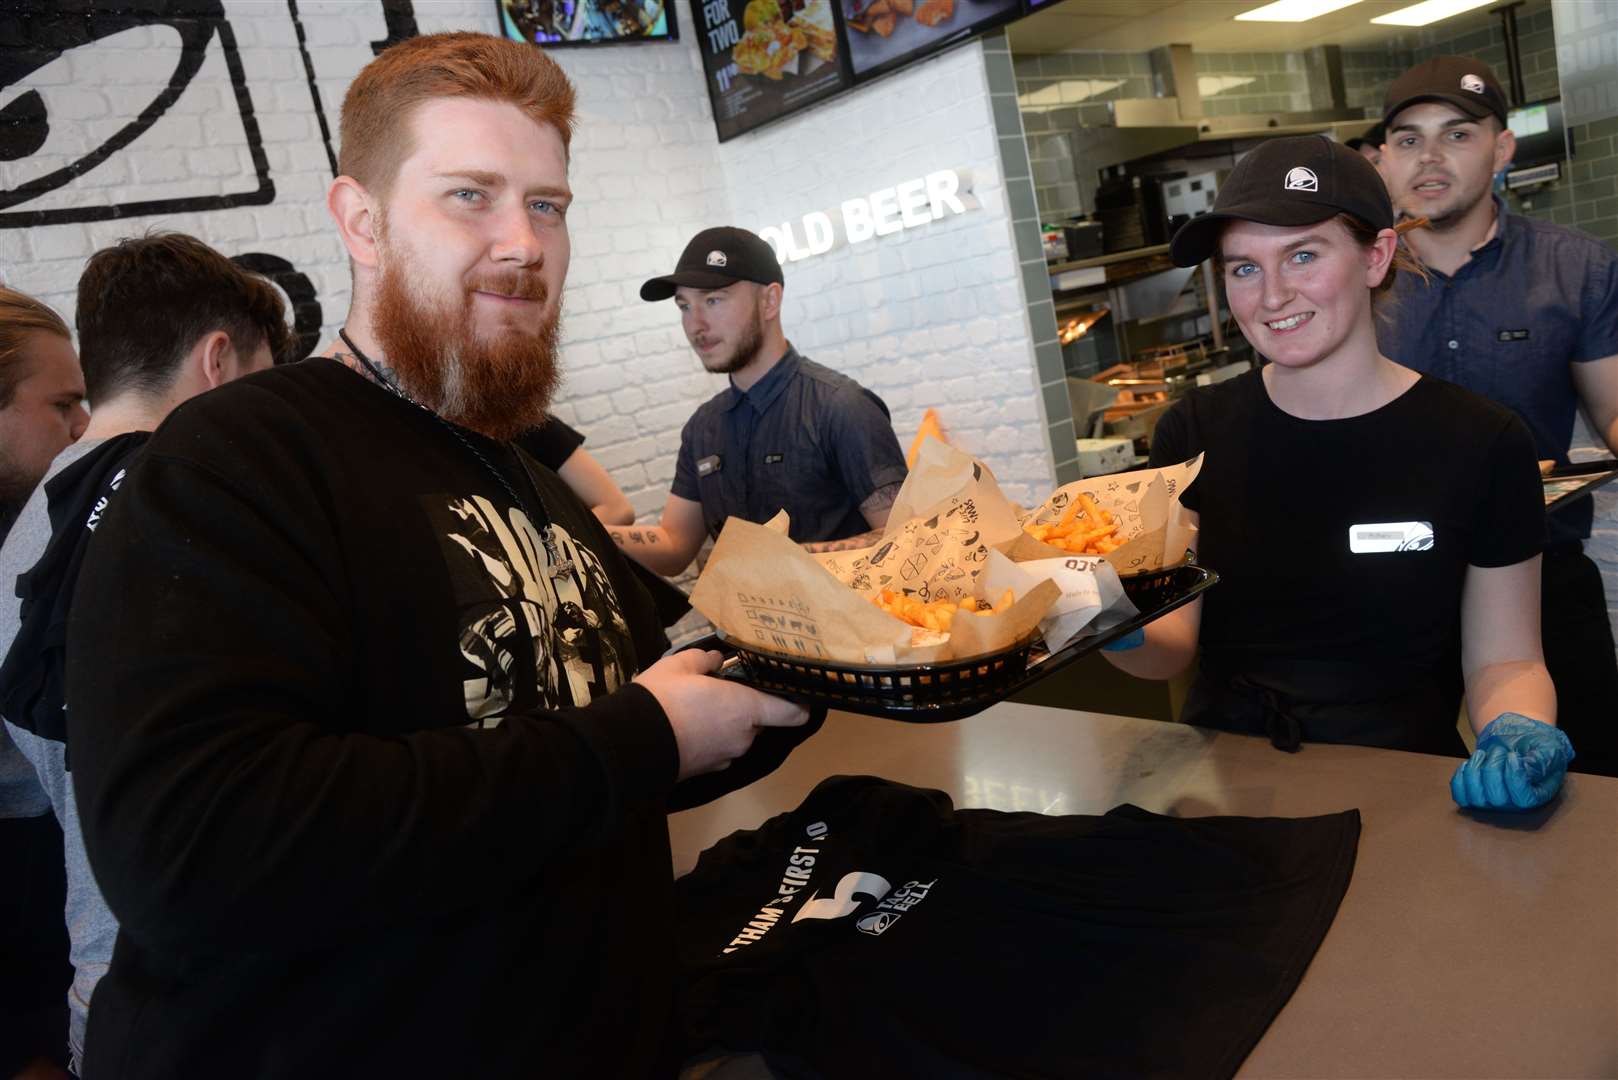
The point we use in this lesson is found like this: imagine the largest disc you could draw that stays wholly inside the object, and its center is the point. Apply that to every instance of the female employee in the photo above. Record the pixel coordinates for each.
(1376, 531)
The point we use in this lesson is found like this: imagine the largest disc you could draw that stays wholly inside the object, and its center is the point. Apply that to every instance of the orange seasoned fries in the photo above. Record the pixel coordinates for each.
(1092, 533)
(938, 614)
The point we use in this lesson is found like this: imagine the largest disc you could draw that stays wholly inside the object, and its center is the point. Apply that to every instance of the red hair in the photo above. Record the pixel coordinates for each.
(375, 130)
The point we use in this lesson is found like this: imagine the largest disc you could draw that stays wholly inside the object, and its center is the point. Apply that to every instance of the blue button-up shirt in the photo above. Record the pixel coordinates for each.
(1510, 323)
(804, 438)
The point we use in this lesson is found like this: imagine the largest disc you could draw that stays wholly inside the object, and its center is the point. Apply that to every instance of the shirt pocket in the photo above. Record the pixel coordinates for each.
(1525, 349)
(783, 482)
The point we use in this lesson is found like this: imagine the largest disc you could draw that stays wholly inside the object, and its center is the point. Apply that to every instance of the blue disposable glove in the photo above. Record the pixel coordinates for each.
(1518, 765)
(1132, 640)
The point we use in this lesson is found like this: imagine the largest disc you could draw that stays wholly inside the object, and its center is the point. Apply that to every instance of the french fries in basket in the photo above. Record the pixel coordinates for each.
(938, 615)
(1094, 533)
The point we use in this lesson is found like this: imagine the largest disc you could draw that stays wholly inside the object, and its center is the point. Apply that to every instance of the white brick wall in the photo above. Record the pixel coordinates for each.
(933, 316)
(646, 177)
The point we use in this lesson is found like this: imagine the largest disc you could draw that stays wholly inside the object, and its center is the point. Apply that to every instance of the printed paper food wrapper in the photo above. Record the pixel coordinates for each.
(1092, 599)
(765, 592)
(1146, 503)
(949, 515)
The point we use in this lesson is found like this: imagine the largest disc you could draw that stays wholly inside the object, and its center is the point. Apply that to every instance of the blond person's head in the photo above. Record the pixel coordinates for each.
(41, 394)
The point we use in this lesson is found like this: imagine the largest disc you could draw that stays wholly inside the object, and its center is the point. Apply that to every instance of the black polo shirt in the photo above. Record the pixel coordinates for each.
(804, 438)
(1534, 300)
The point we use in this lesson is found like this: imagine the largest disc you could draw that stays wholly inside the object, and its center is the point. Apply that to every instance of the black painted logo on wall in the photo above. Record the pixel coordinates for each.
(57, 56)
(302, 300)
(49, 69)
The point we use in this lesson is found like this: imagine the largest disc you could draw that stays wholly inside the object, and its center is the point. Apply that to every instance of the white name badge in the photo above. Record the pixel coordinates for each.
(1384, 536)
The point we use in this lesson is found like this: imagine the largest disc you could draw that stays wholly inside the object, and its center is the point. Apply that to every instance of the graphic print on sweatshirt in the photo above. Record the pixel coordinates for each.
(528, 640)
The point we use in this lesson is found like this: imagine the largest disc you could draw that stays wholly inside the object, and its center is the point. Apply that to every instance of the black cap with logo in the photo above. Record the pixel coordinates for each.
(717, 258)
(1467, 84)
(1298, 180)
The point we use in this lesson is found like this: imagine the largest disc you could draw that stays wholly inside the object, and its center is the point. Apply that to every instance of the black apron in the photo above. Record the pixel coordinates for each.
(1330, 702)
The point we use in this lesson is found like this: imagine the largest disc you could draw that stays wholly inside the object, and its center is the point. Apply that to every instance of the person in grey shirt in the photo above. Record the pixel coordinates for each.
(41, 412)
(787, 434)
(161, 319)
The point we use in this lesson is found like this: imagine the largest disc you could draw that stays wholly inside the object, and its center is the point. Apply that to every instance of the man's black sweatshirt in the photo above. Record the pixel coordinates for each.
(360, 767)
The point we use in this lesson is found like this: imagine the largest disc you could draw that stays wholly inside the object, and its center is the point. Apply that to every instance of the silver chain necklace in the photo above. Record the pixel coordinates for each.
(559, 565)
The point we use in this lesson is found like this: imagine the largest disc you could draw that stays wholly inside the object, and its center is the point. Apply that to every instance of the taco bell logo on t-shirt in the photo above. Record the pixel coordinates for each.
(876, 922)
(1472, 83)
(1302, 179)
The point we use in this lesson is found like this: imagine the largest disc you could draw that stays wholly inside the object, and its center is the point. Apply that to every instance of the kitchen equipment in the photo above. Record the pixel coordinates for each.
(1084, 239)
(1089, 401)
(1131, 212)
(1098, 457)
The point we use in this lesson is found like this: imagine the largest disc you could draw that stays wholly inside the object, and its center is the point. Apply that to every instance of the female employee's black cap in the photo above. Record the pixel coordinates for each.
(716, 258)
(1292, 181)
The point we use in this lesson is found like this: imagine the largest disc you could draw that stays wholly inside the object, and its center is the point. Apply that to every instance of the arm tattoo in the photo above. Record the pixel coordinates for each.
(881, 499)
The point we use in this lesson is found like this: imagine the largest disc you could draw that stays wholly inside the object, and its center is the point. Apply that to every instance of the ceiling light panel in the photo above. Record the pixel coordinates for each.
(1429, 11)
(1295, 10)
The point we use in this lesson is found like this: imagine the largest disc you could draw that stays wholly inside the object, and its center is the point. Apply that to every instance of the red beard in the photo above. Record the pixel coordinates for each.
(500, 387)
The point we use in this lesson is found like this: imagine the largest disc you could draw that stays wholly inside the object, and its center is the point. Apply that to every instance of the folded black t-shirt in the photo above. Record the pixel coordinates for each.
(877, 931)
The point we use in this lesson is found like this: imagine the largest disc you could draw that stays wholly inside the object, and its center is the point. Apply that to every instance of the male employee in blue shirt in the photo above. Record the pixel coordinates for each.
(1524, 312)
(787, 433)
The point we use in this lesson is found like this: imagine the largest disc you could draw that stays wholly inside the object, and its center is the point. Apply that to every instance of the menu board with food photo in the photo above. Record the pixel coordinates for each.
(587, 22)
(885, 33)
(766, 58)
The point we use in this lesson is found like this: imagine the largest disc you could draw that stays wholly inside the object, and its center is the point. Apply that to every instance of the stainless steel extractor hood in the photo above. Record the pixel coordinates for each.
(1181, 107)
(1164, 113)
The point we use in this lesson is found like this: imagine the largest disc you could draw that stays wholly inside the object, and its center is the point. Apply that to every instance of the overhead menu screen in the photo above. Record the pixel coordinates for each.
(883, 34)
(587, 22)
(767, 58)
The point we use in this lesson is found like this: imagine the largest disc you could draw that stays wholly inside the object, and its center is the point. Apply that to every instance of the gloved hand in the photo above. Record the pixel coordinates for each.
(1132, 640)
(1518, 765)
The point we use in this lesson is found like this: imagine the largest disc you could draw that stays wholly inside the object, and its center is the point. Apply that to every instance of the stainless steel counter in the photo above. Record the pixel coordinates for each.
(1466, 947)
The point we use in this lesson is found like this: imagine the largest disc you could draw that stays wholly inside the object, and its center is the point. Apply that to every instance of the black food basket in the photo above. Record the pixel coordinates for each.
(1561, 483)
(933, 693)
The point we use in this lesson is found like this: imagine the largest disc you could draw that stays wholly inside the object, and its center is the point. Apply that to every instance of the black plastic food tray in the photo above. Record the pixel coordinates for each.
(933, 693)
(1599, 474)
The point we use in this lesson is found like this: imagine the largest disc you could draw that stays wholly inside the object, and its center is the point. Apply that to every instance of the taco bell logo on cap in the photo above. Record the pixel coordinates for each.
(717, 258)
(1302, 179)
(1472, 83)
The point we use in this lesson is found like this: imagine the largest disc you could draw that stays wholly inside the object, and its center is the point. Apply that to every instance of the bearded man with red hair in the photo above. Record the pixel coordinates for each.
(373, 745)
